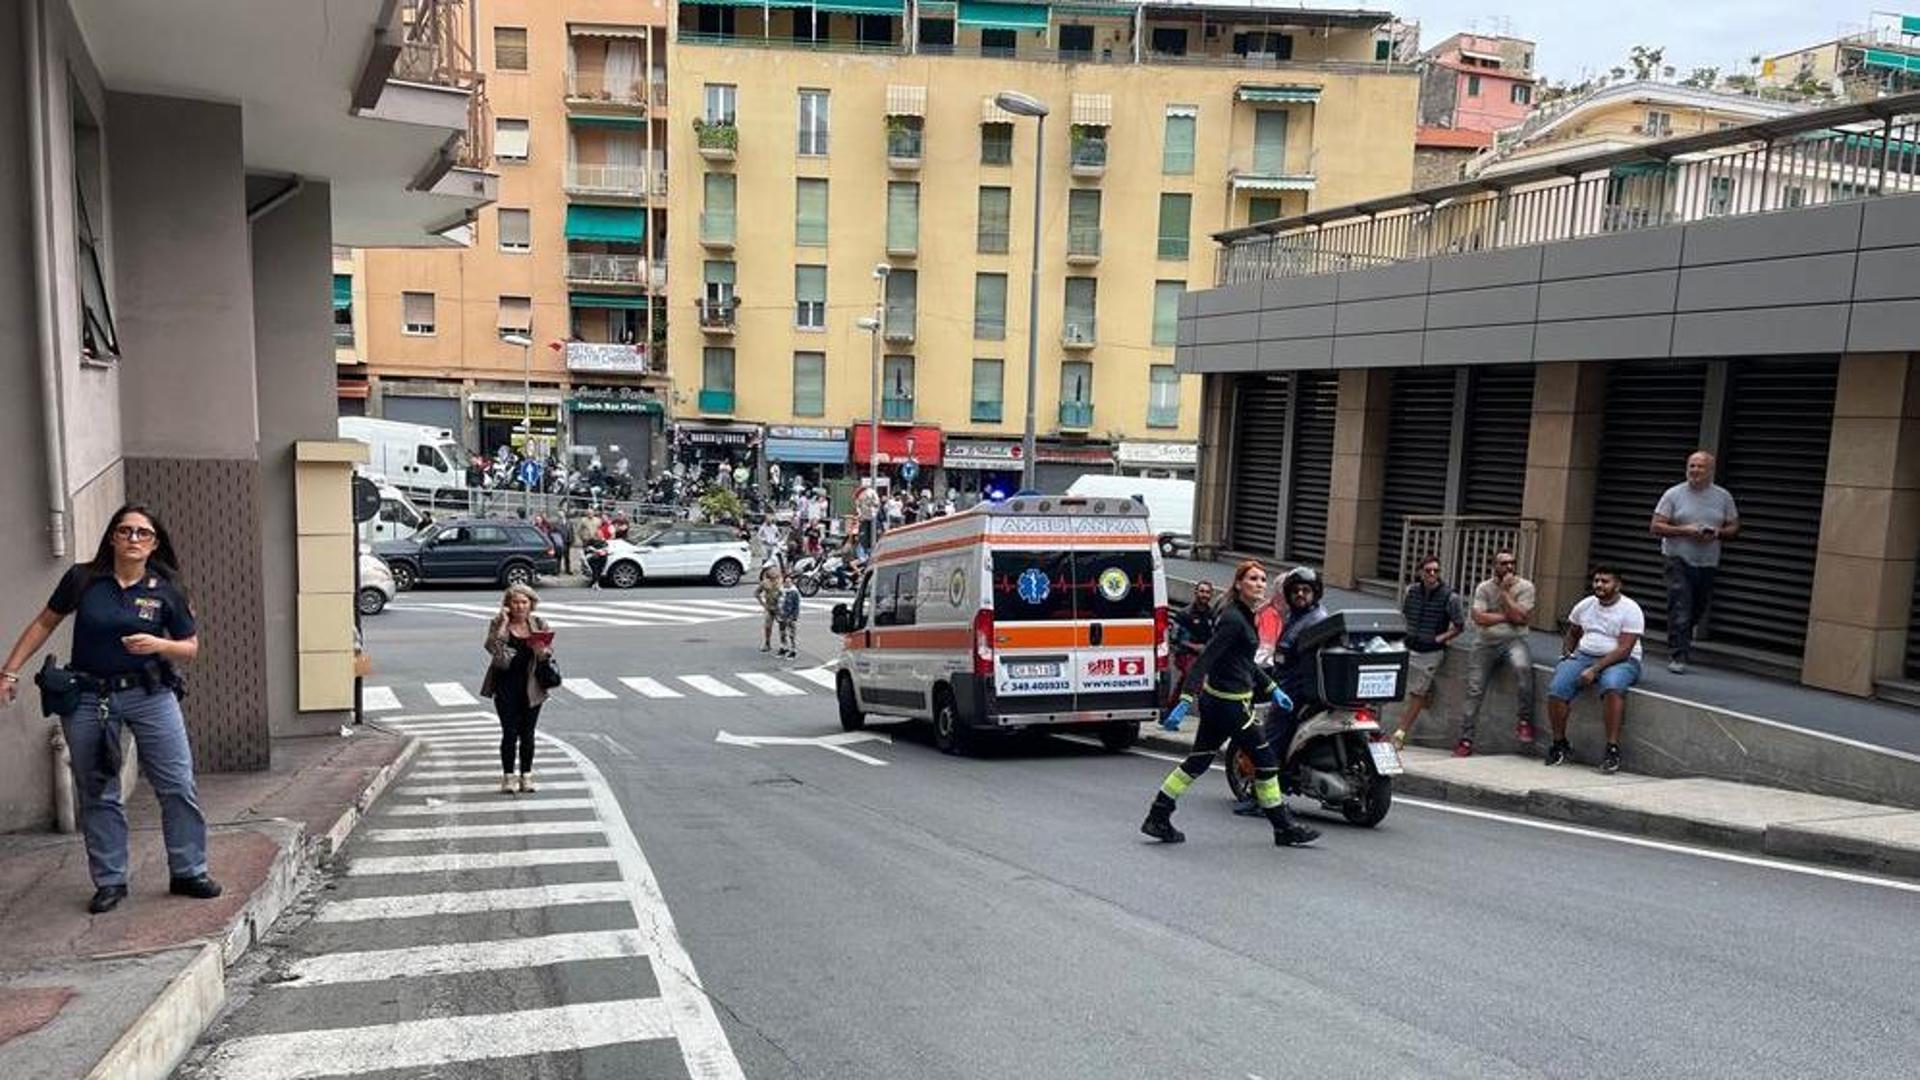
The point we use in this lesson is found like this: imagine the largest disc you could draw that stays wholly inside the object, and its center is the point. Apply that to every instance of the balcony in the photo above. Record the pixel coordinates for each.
(1076, 415)
(896, 410)
(595, 89)
(1266, 171)
(585, 268)
(601, 357)
(716, 141)
(1088, 157)
(1083, 245)
(717, 229)
(716, 316)
(342, 336)
(905, 145)
(716, 401)
(611, 181)
(1077, 335)
(899, 324)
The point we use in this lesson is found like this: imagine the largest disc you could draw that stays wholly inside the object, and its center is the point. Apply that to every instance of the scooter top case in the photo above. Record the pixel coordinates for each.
(1341, 627)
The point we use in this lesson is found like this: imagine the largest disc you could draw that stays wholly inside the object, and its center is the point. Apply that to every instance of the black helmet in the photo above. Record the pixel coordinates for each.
(1302, 575)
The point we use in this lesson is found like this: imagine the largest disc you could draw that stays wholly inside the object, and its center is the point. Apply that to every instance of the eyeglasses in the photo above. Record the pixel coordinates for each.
(133, 532)
(1429, 569)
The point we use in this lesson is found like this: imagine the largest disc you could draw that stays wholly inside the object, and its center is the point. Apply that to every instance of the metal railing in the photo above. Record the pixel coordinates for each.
(1465, 545)
(435, 50)
(599, 269)
(716, 314)
(896, 410)
(343, 336)
(900, 319)
(1034, 54)
(1083, 241)
(1077, 415)
(1078, 330)
(905, 143)
(601, 179)
(593, 87)
(1088, 152)
(1783, 164)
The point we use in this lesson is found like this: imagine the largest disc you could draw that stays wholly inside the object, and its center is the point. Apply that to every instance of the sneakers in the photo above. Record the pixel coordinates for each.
(506, 784)
(526, 784)
(1399, 739)
(1463, 748)
(1559, 752)
(1611, 762)
(766, 648)
(1523, 731)
(1677, 666)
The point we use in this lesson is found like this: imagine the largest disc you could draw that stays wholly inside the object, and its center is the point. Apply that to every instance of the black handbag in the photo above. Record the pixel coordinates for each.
(547, 673)
(59, 689)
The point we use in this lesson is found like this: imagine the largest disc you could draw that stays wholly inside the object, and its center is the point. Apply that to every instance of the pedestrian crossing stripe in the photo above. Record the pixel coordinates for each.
(379, 699)
(763, 681)
(710, 686)
(458, 958)
(466, 861)
(586, 690)
(768, 683)
(515, 805)
(652, 688)
(486, 788)
(450, 693)
(478, 901)
(567, 614)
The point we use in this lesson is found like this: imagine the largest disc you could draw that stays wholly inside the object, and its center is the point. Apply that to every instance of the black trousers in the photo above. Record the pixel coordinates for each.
(517, 721)
(1221, 721)
(1689, 591)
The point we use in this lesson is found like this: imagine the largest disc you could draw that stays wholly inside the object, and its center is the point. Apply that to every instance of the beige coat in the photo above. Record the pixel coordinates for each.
(500, 652)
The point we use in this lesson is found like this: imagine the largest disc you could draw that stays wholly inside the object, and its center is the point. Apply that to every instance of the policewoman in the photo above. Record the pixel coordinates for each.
(132, 625)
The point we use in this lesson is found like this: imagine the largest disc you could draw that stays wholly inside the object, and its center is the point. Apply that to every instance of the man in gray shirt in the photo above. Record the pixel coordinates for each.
(1692, 520)
(1502, 608)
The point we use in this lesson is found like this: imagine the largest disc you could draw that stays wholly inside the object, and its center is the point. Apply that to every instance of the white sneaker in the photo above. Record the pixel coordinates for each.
(506, 784)
(526, 783)
(1678, 667)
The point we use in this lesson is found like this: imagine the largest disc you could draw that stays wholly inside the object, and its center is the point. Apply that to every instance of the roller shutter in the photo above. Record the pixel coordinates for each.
(1913, 632)
(1419, 444)
(1773, 458)
(1259, 458)
(1316, 400)
(1652, 423)
(1499, 425)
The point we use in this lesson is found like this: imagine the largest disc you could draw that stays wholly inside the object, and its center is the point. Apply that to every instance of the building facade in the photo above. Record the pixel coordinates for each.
(1881, 58)
(1471, 85)
(848, 161)
(1618, 117)
(571, 259)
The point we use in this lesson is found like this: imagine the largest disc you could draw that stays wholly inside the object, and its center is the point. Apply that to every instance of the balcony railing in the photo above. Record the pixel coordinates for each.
(1163, 416)
(899, 324)
(716, 140)
(596, 88)
(717, 227)
(716, 401)
(1078, 333)
(1088, 156)
(1173, 247)
(1083, 243)
(896, 410)
(598, 179)
(343, 336)
(716, 315)
(1837, 155)
(587, 268)
(1076, 415)
(904, 144)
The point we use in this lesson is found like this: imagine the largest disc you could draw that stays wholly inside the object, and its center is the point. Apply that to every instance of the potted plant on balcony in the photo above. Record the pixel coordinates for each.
(716, 135)
(900, 138)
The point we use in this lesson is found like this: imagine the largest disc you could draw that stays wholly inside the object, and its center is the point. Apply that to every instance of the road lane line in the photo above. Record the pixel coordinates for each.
(378, 699)
(412, 790)
(818, 676)
(459, 862)
(711, 686)
(652, 610)
(450, 727)
(450, 693)
(765, 683)
(586, 689)
(504, 806)
(478, 901)
(652, 688)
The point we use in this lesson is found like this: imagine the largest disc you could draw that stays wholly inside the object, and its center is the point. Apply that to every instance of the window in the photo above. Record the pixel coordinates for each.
(1176, 225)
(1083, 221)
(1169, 41)
(813, 123)
(1522, 93)
(721, 101)
(895, 599)
(996, 207)
(937, 33)
(1076, 394)
(1076, 41)
(1270, 142)
(1719, 195)
(99, 340)
(1383, 49)
(718, 276)
(1163, 396)
(713, 19)
(716, 379)
(903, 288)
(1077, 323)
(809, 384)
(343, 309)
(516, 230)
(1166, 311)
(1263, 209)
(718, 219)
(516, 315)
(1473, 86)
(987, 376)
(416, 313)
(1001, 43)
(996, 144)
(810, 297)
(510, 48)
(1176, 152)
(903, 216)
(896, 388)
(510, 139)
(990, 307)
(810, 212)
(1264, 45)
(1659, 124)
(1795, 197)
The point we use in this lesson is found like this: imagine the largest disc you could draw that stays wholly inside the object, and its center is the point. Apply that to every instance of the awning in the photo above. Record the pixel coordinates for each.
(1183, 110)
(1495, 57)
(356, 390)
(342, 291)
(862, 7)
(894, 443)
(992, 113)
(906, 101)
(624, 123)
(1001, 15)
(1910, 24)
(1095, 110)
(606, 300)
(752, 3)
(1272, 182)
(937, 9)
(601, 30)
(807, 451)
(1284, 94)
(1883, 58)
(615, 224)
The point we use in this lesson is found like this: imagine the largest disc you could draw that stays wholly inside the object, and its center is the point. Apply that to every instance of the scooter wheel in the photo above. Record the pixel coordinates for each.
(1370, 808)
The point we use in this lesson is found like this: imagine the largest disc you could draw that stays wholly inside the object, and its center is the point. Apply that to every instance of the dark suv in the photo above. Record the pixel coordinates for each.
(470, 549)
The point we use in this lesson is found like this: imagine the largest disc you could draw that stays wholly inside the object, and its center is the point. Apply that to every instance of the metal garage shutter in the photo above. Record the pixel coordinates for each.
(1499, 425)
(1259, 458)
(1419, 444)
(440, 412)
(1913, 632)
(1774, 460)
(1652, 423)
(1316, 400)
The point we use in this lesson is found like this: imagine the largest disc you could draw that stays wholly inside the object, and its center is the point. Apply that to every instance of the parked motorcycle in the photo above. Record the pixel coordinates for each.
(815, 572)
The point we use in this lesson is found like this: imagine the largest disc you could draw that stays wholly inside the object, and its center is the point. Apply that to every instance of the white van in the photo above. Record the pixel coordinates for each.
(1044, 611)
(420, 460)
(1169, 504)
(398, 516)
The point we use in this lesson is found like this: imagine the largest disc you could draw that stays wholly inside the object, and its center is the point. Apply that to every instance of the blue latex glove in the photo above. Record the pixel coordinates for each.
(1281, 700)
(1177, 714)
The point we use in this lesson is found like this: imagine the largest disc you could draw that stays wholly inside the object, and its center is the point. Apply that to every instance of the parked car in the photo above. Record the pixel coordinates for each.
(503, 551)
(376, 585)
(715, 552)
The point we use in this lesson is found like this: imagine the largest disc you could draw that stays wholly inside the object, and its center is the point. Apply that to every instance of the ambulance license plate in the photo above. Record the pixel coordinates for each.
(1046, 670)
(1386, 760)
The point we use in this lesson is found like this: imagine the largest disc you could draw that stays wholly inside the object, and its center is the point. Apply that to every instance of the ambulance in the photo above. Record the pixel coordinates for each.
(1045, 612)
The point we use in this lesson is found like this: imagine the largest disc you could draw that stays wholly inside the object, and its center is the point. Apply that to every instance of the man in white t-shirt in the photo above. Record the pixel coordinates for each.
(1602, 650)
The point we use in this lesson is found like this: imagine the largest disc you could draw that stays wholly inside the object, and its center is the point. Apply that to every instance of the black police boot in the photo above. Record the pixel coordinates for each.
(1286, 831)
(106, 898)
(1159, 823)
(200, 888)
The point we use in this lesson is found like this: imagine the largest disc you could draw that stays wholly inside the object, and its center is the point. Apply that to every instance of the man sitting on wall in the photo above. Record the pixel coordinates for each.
(1602, 651)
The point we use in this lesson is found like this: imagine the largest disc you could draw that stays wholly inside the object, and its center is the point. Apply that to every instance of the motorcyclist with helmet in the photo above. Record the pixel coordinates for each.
(1301, 593)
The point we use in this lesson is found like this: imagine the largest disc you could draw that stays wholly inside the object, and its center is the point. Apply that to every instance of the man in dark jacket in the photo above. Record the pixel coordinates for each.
(1435, 616)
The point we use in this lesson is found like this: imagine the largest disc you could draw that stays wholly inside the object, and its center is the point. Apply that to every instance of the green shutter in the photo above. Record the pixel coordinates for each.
(809, 384)
(810, 212)
(810, 284)
(1166, 310)
(1080, 308)
(1270, 142)
(1176, 225)
(1176, 157)
(606, 300)
(623, 122)
(903, 216)
(342, 291)
(717, 369)
(996, 15)
(986, 391)
(990, 307)
(719, 272)
(614, 224)
(996, 206)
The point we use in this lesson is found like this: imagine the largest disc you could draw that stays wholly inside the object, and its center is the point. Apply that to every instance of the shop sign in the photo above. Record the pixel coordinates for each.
(600, 356)
(1174, 455)
(981, 455)
(717, 436)
(613, 399)
(542, 412)
(821, 434)
(1073, 455)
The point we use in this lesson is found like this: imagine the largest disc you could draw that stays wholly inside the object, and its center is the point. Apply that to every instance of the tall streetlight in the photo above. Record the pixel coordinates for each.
(526, 405)
(873, 326)
(1024, 105)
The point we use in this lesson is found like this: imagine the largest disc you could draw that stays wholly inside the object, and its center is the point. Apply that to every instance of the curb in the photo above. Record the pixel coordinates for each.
(329, 844)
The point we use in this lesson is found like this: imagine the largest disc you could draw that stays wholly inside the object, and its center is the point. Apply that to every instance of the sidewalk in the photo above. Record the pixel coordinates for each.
(126, 994)
(1710, 813)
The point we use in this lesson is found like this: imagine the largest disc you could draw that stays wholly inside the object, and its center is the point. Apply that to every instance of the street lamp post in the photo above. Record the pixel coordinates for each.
(526, 405)
(873, 326)
(1024, 105)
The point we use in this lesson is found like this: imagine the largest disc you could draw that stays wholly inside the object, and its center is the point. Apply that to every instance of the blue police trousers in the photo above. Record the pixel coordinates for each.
(160, 736)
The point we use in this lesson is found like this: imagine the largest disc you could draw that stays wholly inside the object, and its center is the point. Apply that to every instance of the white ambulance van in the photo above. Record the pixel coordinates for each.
(1036, 612)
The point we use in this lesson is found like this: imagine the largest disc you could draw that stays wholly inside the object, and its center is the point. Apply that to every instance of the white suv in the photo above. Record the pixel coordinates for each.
(714, 552)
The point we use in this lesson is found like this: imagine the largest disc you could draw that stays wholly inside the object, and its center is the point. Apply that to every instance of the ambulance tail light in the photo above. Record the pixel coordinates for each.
(1161, 652)
(983, 644)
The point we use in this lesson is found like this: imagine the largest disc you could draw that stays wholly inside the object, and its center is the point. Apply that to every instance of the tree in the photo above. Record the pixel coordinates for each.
(1617, 74)
(1645, 60)
(1705, 78)
(1741, 83)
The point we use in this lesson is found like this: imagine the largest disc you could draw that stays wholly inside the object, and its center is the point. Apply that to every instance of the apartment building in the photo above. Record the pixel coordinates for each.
(1621, 116)
(855, 197)
(1881, 58)
(1471, 85)
(570, 259)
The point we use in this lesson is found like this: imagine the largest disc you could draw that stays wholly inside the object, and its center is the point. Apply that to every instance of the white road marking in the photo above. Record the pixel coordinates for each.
(378, 699)
(711, 686)
(451, 727)
(665, 613)
(450, 693)
(613, 745)
(453, 958)
(504, 806)
(531, 898)
(836, 742)
(587, 690)
(459, 862)
(731, 609)
(481, 789)
(652, 688)
(470, 773)
(762, 681)
(819, 676)
(461, 831)
(425, 1044)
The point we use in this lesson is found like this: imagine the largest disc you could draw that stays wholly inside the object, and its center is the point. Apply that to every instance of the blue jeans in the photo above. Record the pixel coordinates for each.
(160, 734)
(1614, 680)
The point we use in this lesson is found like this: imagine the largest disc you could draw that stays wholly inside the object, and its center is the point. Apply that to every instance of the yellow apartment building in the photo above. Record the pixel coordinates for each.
(571, 257)
(847, 190)
(1621, 116)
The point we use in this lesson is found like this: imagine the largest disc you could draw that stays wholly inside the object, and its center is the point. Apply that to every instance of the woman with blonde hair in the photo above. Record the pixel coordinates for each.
(520, 647)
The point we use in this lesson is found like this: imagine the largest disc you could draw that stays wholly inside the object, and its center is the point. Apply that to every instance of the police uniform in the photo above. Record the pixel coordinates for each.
(121, 688)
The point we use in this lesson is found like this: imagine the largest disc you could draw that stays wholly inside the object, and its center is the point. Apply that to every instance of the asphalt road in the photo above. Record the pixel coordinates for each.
(1000, 916)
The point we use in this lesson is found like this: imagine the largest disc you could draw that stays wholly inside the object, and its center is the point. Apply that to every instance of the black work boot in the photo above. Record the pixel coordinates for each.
(1159, 823)
(1286, 831)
